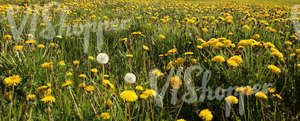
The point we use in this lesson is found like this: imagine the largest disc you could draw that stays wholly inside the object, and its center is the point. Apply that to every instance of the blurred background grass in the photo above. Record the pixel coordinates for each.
(279, 2)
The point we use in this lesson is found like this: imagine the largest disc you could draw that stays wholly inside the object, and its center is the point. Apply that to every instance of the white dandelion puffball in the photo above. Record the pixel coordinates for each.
(130, 78)
(102, 58)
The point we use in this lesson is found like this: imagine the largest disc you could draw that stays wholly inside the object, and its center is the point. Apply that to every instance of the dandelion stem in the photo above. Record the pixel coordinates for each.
(152, 112)
(11, 103)
(248, 108)
(103, 69)
(233, 112)
(128, 105)
(262, 110)
(49, 113)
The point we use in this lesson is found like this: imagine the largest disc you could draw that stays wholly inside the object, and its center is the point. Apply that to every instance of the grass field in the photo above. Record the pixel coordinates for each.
(149, 60)
(265, 2)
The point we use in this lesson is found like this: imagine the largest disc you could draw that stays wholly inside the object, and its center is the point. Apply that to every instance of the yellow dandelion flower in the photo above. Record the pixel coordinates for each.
(76, 62)
(206, 115)
(47, 65)
(188, 53)
(105, 115)
(269, 45)
(234, 61)
(201, 40)
(237, 59)
(41, 46)
(231, 99)
(239, 89)
(48, 99)
(30, 42)
(59, 37)
(106, 76)
(169, 65)
(145, 47)
(274, 69)
(199, 46)
(271, 90)
(288, 43)
(94, 70)
(41, 88)
(161, 36)
(149, 92)
(181, 120)
(277, 96)
(129, 55)
(129, 96)
(109, 103)
(249, 42)
(293, 54)
(7, 37)
(91, 58)
(82, 76)
(12, 80)
(69, 74)
(261, 95)
(107, 83)
(42, 24)
(156, 72)
(143, 96)
(194, 60)
(256, 36)
(218, 59)
(67, 83)
(139, 87)
(82, 85)
(247, 90)
(30, 97)
(176, 82)
(227, 43)
(136, 33)
(172, 51)
(204, 30)
(179, 61)
(124, 39)
(61, 63)
(18, 47)
(49, 85)
(246, 27)
(277, 54)
(90, 88)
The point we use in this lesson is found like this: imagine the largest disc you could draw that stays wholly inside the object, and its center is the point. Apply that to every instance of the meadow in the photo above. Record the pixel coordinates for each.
(131, 60)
